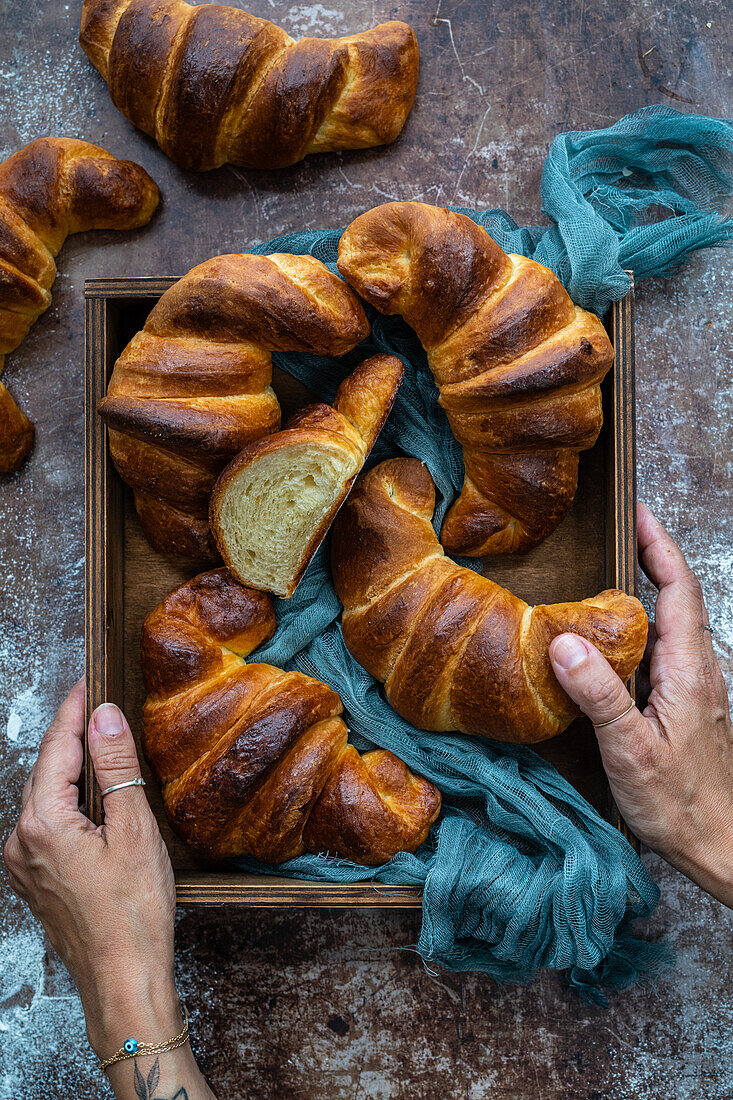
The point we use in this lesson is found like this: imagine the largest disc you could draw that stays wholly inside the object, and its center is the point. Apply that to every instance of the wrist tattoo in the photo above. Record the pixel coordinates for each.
(146, 1087)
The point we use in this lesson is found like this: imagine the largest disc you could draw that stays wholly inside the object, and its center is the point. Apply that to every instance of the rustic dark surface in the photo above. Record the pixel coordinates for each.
(325, 1005)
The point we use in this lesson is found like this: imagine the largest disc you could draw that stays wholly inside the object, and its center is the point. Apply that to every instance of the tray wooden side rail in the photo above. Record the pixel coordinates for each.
(594, 548)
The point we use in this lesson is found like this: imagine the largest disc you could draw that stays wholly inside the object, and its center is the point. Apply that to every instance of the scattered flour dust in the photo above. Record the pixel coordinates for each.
(306, 20)
(36, 657)
(39, 1008)
(23, 719)
(45, 91)
(15, 725)
(41, 650)
(36, 1019)
(311, 20)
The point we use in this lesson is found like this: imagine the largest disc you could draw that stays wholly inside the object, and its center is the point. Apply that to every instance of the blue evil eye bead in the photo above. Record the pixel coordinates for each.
(130, 1046)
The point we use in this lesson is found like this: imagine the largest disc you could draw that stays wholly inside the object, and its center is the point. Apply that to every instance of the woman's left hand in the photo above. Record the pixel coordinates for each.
(105, 895)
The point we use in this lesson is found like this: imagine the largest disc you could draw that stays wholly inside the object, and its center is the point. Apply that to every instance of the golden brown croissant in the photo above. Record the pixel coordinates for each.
(272, 505)
(51, 188)
(517, 364)
(454, 650)
(254, 760)
(213, 84)
(193, 387)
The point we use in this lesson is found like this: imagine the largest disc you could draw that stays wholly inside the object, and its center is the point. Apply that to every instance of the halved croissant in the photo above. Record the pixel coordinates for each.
(51, 188)
(193, 387)
(214, 84)
(272, 505)
(254, 760)
(454, 650)
(518, 366)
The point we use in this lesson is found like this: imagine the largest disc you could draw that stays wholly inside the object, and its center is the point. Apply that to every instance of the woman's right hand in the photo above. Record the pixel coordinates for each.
(671, 767)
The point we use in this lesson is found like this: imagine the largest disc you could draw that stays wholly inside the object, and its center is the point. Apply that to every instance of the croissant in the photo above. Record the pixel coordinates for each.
(518, 366)
(213, 84)
(454, 650)
(49, 189)
(192, 389)
(256, 761)
(272, 505)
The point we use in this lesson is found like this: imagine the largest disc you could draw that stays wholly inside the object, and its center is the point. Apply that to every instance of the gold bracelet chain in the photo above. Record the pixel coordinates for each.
(132, 1049)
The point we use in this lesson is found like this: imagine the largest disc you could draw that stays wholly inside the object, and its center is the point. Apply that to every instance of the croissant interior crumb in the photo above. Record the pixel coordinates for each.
(273, 509)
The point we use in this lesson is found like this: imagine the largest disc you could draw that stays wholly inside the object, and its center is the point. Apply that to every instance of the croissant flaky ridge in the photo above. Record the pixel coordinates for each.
(517, 364)
(256, 761)
(51, 188)
(213, 84)
(454, 650)
(193, 388)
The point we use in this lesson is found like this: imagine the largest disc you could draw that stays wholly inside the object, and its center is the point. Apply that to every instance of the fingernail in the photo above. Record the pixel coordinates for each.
(108, 720)
(569, 652)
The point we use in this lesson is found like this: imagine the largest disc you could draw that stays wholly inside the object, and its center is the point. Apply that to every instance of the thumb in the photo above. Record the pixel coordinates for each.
(114, 756)
(592, 684)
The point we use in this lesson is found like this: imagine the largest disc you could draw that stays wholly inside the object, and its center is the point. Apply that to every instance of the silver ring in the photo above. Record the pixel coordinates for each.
(139, 782)
(710, 629)
(600, 725)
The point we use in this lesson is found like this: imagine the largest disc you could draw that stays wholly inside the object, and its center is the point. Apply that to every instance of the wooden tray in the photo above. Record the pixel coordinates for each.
(593, 548)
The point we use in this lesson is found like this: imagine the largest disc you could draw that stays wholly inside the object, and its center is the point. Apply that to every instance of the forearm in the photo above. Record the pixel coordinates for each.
(707, 858)
(144, 1007)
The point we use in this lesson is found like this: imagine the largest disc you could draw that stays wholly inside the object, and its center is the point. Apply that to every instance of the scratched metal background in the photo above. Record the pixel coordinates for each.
(327, 1005)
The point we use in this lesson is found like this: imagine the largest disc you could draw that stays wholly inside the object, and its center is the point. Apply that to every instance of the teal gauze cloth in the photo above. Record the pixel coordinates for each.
(519, 872)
